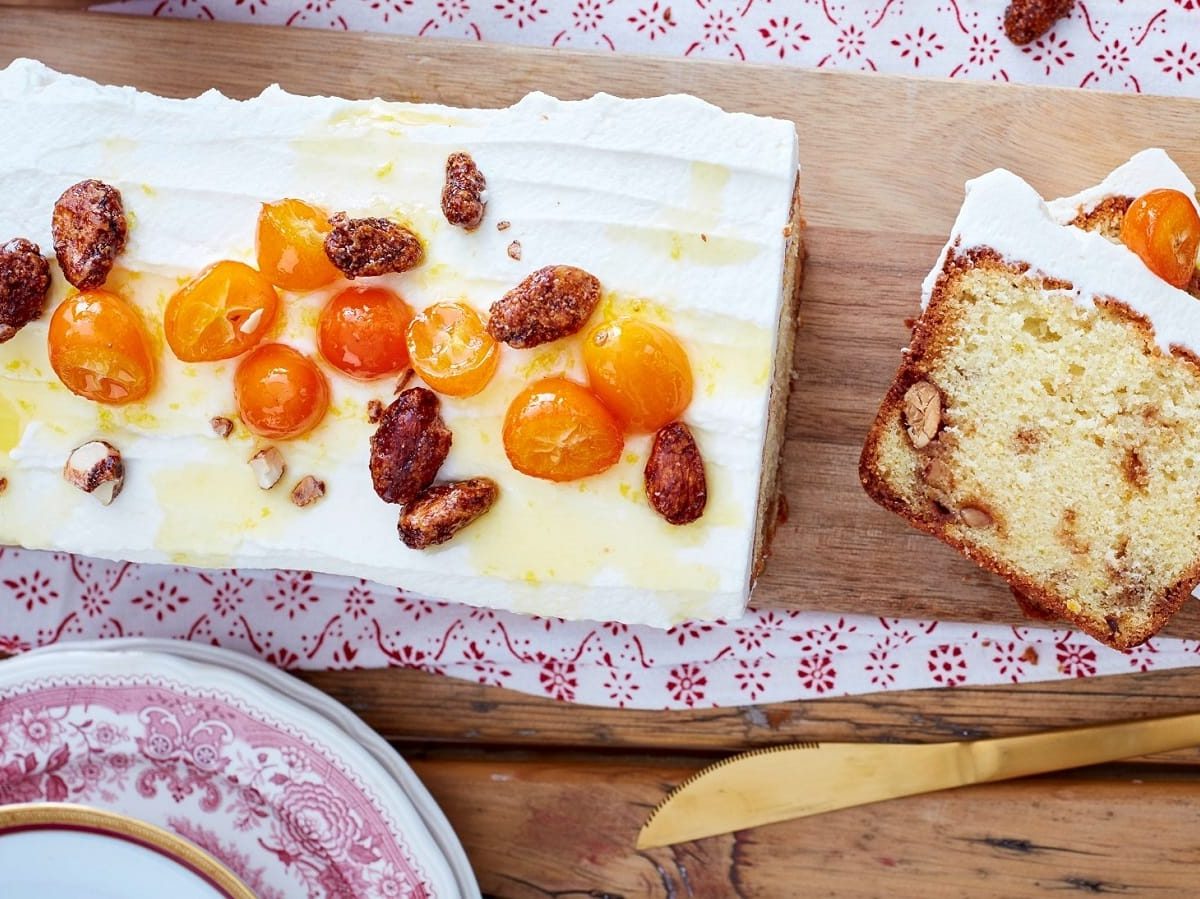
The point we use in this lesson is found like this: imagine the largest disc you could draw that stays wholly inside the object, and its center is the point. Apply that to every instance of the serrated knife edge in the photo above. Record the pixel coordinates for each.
(765, 785)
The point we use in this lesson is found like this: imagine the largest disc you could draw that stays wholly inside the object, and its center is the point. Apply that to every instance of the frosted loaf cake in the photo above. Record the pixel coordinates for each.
(521, 275)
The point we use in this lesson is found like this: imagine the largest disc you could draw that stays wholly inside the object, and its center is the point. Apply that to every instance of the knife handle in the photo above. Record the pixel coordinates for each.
(1006, 757)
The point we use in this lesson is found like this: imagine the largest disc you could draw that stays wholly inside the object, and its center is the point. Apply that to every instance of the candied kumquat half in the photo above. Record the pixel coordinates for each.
(291, 245)
(280, 392)
(558, 430)
(361, 332)
(221, 313)
(639, 371)
(99, 348)
(1163, 228)
(451, 349)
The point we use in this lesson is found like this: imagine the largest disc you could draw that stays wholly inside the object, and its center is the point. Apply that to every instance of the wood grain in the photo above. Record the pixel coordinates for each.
(398, 703)
(537, 830)
(878, 211)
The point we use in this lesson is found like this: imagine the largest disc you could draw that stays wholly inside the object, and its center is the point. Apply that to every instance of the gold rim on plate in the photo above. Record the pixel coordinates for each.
(48, 815)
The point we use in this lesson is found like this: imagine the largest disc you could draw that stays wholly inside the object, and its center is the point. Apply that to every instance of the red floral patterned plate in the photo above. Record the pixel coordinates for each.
(284, 797)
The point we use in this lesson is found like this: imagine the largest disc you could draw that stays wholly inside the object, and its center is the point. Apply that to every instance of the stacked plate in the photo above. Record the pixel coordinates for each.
(271, 780)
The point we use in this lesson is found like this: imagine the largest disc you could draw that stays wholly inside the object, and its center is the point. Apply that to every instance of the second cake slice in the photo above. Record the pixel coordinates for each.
(1045, 420)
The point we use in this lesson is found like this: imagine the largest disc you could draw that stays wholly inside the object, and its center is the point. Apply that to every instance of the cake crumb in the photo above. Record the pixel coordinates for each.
(1029, 655)
(3, 484)
(704, 237)
(514, 250)
(374, 411)
(503, 225)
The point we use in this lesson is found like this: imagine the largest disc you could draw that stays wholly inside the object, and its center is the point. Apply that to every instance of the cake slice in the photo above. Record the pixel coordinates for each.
(488, 450)
(1045, 420)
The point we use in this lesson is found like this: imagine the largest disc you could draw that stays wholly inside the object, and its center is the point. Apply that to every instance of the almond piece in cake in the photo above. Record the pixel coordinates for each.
(1066, 383)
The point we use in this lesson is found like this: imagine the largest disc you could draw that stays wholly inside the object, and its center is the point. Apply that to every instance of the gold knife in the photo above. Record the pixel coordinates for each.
(782, 782)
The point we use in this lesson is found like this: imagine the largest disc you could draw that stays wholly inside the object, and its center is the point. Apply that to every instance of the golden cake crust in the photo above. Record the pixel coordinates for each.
(772, 504)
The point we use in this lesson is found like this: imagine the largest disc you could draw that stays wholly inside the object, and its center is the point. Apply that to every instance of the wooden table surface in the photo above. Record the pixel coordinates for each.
(547, 798)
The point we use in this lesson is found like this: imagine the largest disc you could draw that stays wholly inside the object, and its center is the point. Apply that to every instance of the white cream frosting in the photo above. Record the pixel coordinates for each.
(622, 188)
(1145, 171)
(1004, 213)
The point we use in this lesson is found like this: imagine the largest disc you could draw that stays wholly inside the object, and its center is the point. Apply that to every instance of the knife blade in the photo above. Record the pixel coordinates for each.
(778, 783)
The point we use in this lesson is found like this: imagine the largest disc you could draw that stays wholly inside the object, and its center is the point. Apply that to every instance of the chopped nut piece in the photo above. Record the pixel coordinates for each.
(938, 475)
(675, 481)
(268, 466)
(24, 283)
(441, 511)
(553, 302)
(402, 381)
(974, 517)
(409, 447)
(89, 232)
(503, 225)
(308, 491)
(3, 484)
(465, 193)
(1027, 20)
(514, 251)
(374, 411)
(221, 426)
(371, 246)
(939, 482)
(96, 468)
(922, 413)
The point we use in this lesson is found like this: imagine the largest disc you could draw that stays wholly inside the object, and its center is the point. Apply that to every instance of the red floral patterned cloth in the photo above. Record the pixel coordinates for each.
(312, 621)
(1126, 45)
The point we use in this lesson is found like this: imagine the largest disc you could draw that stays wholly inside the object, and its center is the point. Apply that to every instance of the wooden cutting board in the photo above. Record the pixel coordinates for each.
(884, 160)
